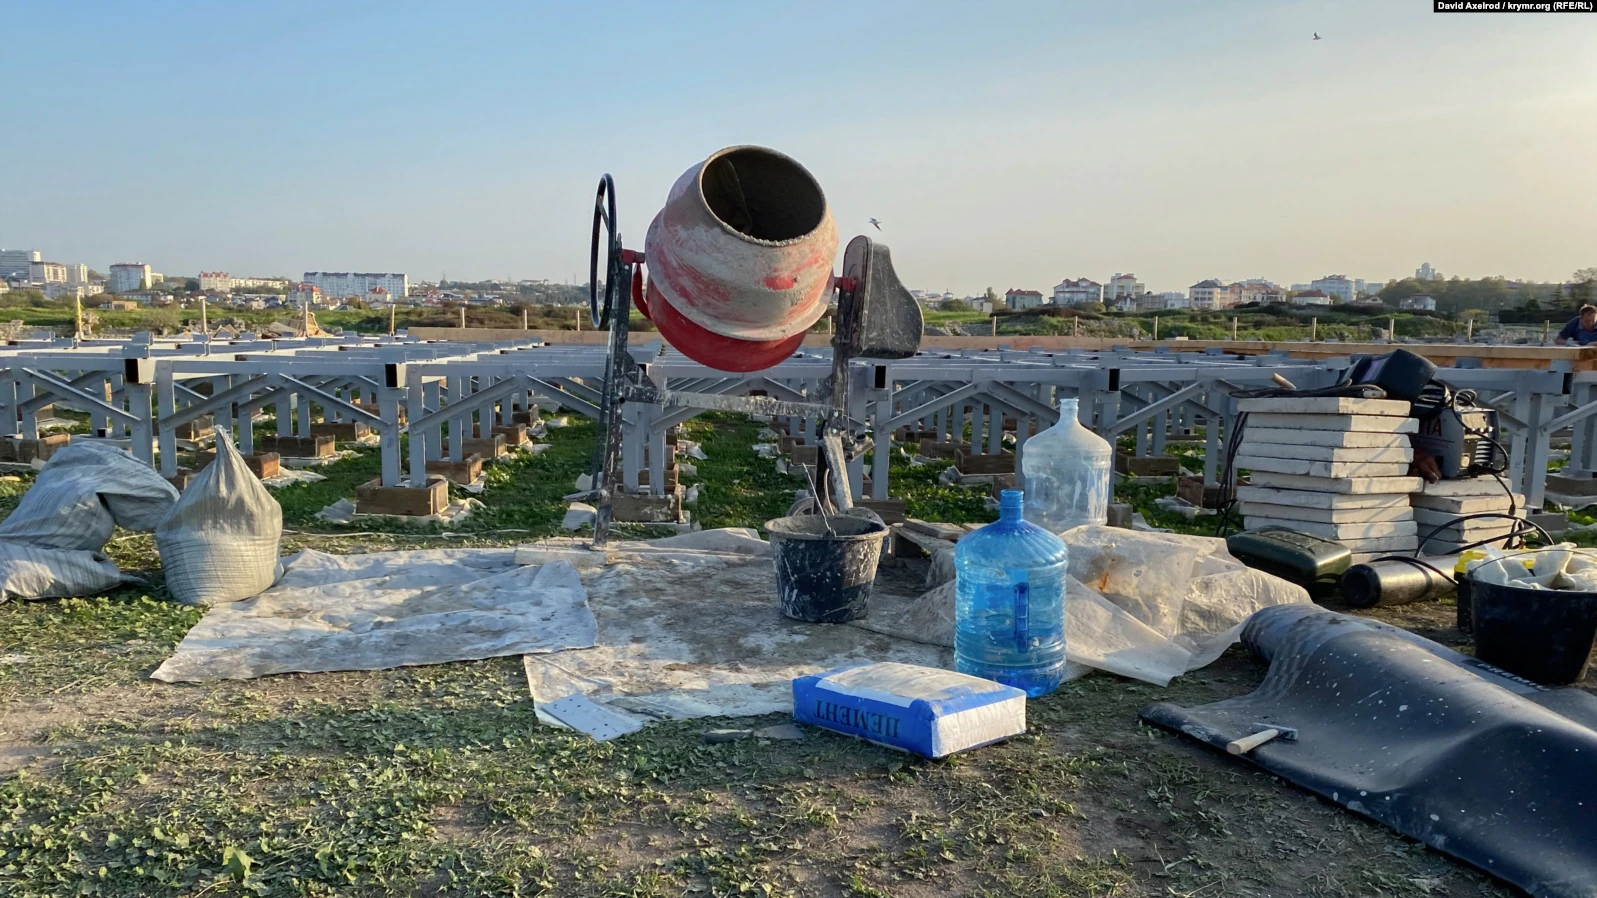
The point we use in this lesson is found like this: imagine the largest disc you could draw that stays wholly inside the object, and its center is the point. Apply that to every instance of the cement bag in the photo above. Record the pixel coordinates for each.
(82, 494)
(220, 542)
(27, 572)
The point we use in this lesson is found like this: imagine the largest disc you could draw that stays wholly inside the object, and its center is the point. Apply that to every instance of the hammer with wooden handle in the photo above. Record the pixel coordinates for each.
(1262, 733)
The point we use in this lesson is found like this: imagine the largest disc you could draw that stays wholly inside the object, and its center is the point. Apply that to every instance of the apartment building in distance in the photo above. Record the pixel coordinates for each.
(1209, 294)
(1336, 286)
(77, 273)
(47, 273)
(126, 277)
(1259, 291)
(301, 294)
(1121, 285)
(14, 262)
(1070, 292)
(1020, 300)
(216, 282)
(339, 284)
(1426, 273)
(64, 290)
(222, 282)
(1141, 302)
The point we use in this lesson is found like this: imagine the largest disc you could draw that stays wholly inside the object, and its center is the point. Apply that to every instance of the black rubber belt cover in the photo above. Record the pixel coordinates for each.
(1491, 769)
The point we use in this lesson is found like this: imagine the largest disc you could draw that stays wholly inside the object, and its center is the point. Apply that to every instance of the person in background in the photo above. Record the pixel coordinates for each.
(1582, 329)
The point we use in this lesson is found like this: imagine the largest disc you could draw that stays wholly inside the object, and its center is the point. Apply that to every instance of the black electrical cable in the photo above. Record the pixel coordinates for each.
(1228, 472)
(1518, 533)
(1521, 525)
(1417, 563)
(1470, 398)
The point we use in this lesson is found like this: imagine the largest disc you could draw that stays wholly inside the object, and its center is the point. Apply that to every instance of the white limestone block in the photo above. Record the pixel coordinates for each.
(1310, 468)
(1338, 531)
(1357, 423)
(1352, 486)
(1326, 405)
(1305, 498)
(1336, 439)
(1468, 504)
(1328, 515)
(1403, 453)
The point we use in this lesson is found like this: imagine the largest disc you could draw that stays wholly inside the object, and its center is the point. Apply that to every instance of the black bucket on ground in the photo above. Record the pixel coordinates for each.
(1544, 635)
(823, 576)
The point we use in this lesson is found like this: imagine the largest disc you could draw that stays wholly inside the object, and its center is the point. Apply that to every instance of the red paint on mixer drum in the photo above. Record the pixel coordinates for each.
(715, 351)
(740, 259)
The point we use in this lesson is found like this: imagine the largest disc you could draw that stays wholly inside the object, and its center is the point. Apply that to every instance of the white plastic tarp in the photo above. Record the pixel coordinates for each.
(690, 626)
(387, 609)
(1150, 606)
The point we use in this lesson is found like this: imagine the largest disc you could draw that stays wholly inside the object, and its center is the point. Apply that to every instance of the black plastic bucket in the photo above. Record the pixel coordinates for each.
(1544, 635)
(825, 577)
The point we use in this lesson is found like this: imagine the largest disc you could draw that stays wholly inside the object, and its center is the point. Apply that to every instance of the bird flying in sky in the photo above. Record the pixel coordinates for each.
(877, 223)
(1316, 35)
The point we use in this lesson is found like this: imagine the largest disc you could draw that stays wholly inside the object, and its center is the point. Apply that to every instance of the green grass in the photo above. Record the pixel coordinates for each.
(438, 781)
(736, 487)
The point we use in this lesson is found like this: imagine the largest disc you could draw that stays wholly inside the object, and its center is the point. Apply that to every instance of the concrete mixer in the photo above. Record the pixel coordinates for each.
(737, 267)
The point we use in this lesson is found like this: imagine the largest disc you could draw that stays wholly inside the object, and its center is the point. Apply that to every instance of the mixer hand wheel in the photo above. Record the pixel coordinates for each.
(604, 214)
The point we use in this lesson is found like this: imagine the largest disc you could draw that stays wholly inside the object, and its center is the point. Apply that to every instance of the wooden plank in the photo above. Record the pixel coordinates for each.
(299, 447)
(1002, 463)
(341, 431)
(647, 509)
(408, 501)
(488, 448)
(467, 470)
(1147, 465)
(891, 511)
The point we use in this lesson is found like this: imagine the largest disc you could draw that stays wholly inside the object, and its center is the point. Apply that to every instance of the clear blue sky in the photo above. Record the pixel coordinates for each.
(1008, 144)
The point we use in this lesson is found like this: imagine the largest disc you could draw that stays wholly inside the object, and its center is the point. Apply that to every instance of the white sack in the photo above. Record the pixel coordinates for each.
(220, 542)
(27, 572)
(82, 494)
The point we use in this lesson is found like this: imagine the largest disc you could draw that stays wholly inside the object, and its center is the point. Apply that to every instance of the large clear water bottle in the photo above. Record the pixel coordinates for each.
(1009, 606)
(1065, 471)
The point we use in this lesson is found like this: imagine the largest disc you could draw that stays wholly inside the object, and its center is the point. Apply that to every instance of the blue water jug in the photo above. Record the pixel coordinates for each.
(1009, 613)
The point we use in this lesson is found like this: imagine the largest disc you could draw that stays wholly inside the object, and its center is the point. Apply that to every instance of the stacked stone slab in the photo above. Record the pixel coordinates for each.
(1334, 467)
(1438, 504)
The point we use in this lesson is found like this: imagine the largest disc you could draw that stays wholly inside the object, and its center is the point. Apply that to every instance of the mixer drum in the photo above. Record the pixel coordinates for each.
(740, 259)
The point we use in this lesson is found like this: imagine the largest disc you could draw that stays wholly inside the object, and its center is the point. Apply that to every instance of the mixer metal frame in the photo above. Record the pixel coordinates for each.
(866, 271)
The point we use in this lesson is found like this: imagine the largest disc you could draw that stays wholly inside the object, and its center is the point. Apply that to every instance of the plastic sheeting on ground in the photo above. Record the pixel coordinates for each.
(690, 626)
(1150, 606)
(1441, 747)
(50, 545)
(387, 609)
(344, 512)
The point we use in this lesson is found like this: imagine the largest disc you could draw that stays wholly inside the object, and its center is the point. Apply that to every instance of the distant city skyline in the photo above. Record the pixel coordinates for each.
(1227, 141)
